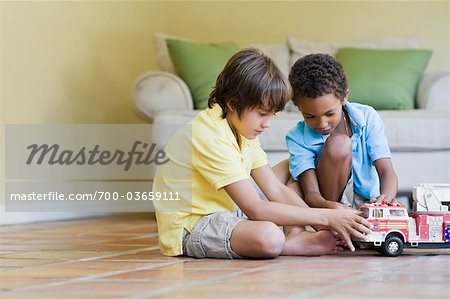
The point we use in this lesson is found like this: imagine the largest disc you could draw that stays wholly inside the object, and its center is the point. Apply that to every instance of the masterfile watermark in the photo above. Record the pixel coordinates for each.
(80, 168)
(52, 154)
(85, 152)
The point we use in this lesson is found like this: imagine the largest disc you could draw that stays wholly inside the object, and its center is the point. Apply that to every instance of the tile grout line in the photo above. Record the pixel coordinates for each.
(14, 255)
(88, 259)
(162, 263)
(145, 236)
(87, 278)
(320, 291)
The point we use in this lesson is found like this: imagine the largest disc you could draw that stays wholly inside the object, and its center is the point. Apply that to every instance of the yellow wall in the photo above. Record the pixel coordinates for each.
(75, 62)
(270, 22)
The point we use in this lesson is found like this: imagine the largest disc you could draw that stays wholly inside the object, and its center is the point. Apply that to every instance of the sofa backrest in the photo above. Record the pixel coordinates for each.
(285, 55)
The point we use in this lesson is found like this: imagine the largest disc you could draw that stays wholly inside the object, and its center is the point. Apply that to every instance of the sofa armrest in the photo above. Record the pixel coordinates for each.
(434, 92)
(159, 91)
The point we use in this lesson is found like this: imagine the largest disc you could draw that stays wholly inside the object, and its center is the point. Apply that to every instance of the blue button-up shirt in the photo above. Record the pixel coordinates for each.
(368, 145)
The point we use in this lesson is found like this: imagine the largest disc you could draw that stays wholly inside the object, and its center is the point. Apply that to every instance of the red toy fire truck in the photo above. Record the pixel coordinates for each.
(427, 227)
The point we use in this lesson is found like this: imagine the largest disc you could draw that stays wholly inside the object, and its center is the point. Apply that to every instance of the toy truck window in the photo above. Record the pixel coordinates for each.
(397, 213)
(378, 213)
(365, 213)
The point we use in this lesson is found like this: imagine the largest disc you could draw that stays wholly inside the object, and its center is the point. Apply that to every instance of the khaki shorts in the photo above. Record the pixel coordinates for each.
(350, 197)
(211, 236)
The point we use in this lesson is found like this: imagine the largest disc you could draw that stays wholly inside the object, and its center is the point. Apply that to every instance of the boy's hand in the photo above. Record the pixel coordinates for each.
(346, 223)
(383, 197)
(336, 205)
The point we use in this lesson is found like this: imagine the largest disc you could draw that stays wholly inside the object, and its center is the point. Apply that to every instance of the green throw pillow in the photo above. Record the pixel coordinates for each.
(199, 64)
(383, 79)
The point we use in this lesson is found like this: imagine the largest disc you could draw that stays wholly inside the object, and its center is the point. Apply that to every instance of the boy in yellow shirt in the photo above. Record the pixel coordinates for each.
(211, 162)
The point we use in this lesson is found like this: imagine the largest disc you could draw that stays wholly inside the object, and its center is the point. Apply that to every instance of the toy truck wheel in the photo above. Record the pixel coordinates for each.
(393, 246)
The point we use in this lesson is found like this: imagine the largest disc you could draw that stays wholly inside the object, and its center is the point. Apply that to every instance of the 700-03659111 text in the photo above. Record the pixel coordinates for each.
(97, 195)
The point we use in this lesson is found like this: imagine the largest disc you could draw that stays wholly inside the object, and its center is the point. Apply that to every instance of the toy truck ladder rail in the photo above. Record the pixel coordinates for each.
(431, 198)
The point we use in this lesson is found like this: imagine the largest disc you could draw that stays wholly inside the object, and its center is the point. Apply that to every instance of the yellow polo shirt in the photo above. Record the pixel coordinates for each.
(204, 156)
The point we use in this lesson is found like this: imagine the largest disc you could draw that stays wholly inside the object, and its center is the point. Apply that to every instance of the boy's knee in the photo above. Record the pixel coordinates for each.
(338, 146)
(271, 240)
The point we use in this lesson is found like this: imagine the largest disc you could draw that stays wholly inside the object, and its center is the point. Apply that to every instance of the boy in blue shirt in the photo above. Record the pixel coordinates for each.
(339, 153)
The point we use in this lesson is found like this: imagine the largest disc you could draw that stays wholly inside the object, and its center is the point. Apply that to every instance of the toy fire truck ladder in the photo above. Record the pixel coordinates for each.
(431, 198)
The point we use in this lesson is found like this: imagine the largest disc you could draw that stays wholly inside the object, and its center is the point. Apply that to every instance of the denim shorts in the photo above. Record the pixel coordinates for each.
(211, 236)
(350, 197)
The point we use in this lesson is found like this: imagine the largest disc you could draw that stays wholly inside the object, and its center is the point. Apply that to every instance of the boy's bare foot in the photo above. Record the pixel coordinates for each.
(301, 242)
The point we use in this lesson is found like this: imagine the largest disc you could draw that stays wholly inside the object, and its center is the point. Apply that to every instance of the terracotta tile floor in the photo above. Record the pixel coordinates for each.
(118, 257)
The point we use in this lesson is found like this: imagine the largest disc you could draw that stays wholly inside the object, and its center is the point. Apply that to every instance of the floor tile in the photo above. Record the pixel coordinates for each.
(172, 274)
(118, 257)
(103, 288)
(11, 283)
(391, 289)
(242, 290)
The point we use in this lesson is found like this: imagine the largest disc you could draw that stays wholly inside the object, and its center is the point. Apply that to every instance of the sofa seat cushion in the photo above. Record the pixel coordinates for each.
(417, 130)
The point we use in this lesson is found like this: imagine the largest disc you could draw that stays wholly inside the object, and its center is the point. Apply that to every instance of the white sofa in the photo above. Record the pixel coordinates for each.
(419, 139)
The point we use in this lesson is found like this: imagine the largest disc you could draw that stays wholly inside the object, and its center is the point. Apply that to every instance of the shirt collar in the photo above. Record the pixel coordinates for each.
(222, 123)
(357, 119)
(357, 122)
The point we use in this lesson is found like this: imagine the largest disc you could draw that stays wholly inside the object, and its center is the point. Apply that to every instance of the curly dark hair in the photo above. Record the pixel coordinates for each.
(315, 75)
(250, 79)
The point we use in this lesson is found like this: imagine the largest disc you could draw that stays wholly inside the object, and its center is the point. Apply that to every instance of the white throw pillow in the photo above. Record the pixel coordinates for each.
(162, 52)
(279, 55)
(300, 47)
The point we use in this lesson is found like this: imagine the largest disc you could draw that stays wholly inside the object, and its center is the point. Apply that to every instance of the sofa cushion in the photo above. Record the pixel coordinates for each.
(301, 47)
(383, 79)
(405, 130)
(279, 55)
(417, 155)
(162, 52)
(417, 130)
(199, 64)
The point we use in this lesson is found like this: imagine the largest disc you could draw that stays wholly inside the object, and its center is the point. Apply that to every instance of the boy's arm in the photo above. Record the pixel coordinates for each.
(310, 186)
(378, 151)
(344, 222)
(388, 180)
(274, 189)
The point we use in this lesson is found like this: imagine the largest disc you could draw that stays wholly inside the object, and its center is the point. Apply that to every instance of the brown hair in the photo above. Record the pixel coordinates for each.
(250, 80)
